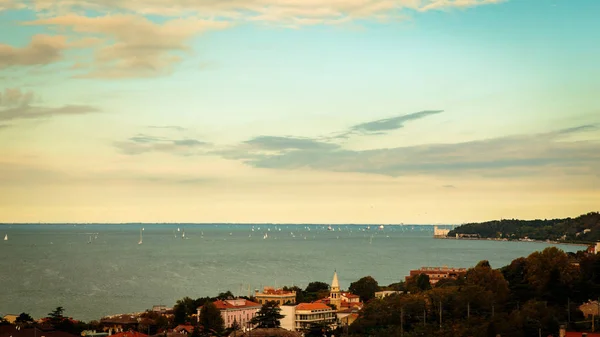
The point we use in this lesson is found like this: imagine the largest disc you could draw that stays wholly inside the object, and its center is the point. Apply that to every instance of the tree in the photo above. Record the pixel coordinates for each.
(183, 309)
(315, 287)
(211, 319)
(56, 316)
(268, 316)
(226, 295)
(24, 318)
(365, 288)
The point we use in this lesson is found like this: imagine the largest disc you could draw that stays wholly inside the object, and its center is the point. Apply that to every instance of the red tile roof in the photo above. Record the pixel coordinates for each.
(129, 334)
(312, 306)
(578, 334)
(187, 327)
(224, 305)
(349, 295)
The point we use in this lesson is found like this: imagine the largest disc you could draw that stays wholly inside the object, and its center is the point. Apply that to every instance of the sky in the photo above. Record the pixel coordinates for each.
(298, 111)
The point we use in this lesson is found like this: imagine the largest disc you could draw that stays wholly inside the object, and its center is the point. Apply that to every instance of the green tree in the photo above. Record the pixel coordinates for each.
(226, 295)
(56, 316)
(315, 287)
(184, 309)
(211, 319)
(318, 329)
(268, 316)
(24, 318)
(365, 288)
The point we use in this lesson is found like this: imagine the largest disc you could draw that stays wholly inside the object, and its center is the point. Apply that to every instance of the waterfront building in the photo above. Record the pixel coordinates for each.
(437, 273)
(279, 296)
(590, 309)
(236, 310)
(440, 233)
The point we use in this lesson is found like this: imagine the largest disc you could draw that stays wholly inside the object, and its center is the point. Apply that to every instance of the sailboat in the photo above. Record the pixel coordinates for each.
(90, 240)
(5, 237)
(183, 234)
(141, 238)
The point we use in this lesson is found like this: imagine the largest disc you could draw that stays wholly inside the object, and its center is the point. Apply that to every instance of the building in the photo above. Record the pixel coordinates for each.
(594, 249)
(130, 333)
(440, 233)
(17, 331)
(303, 315)
(266, 332)
(279, 296)
(438, 273)
(341, 300)
(93, 333)
(236, 310)
(10, 318)
(562, 332)
(386, 293)
(184, 329)
(590, 309)
(335, 297)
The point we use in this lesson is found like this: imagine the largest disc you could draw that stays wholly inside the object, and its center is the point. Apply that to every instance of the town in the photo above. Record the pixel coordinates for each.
(549, 293)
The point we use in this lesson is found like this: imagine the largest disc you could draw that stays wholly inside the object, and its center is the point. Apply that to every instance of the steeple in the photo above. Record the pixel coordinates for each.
(335, 297)
(335, 284)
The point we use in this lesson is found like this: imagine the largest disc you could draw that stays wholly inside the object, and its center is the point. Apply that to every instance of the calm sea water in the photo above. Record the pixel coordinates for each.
(45, 266)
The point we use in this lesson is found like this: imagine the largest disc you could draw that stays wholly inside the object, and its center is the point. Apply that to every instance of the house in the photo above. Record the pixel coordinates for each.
(184, 329)
(589, 309)
(386, 293)
(11, 318)
(437, 273)
(93, 333)
(279, 296)
(16, 331)
(119, 323)
(263, 332)
(301, 316)
(129, 333)
(238, 310)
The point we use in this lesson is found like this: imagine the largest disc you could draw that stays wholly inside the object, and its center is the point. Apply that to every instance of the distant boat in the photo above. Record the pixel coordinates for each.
(141, 238)
(5, 237)
(183, 234)
(380, 226)
(90, 240)
(329, 228)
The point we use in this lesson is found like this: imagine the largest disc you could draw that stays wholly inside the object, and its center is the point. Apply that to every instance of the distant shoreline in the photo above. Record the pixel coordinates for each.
(529, 240)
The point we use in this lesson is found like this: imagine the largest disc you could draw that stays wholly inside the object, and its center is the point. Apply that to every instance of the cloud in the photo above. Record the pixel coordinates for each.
(42, 50)
(16, 104)
(131, 46)
(140, 144)
(168, 127)
(12, 97)
(288, 143)
(449, 186)
(388, 124)
(519, 153)
(290, 13)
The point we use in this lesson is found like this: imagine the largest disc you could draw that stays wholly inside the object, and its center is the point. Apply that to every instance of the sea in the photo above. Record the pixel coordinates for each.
(95, 270)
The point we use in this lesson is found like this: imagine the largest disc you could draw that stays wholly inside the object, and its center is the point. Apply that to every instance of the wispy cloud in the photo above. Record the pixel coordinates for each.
(389, 124)
(42, 50)
(129, 45)
(168, 127)
(519, 153)
(16, 104)
(141, 143)
(291, 13)
(288, 143)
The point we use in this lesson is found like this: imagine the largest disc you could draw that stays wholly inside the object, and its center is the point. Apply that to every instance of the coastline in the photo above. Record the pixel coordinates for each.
(517, 240)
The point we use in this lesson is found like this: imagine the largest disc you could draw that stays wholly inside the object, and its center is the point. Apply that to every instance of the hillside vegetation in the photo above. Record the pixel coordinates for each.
(584, 228)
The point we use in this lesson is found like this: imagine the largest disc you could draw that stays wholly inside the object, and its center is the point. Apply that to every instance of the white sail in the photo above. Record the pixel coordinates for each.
(141, 238)
(5, 237)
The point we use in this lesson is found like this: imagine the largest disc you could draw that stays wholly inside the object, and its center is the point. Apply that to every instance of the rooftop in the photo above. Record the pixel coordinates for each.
(313, 306)
(236, 304)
